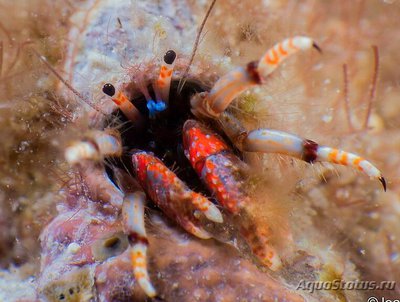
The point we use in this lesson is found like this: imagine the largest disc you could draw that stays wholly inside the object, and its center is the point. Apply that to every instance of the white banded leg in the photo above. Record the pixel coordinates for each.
(96, 146)
(274, 141)
(230, 86)
(133, 221)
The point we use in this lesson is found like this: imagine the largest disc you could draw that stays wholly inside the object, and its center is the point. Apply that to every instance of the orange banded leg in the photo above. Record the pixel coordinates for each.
(133, 222)
(172, 195)
(274, 141)
(230, 86)
(257, 238)
(282, 50)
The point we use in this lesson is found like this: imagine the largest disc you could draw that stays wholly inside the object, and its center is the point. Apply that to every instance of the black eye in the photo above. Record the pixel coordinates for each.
(169, 57)
(109, 89)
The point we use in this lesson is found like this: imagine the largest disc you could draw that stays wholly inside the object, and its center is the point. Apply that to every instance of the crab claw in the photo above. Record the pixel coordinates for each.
(172, 195)
(220, 170)
(217, 166)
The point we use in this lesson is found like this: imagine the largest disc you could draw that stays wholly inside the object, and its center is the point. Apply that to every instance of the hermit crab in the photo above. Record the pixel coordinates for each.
(189, 130)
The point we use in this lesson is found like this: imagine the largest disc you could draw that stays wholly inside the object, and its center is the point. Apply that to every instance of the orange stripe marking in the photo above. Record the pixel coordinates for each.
(357, 161)
(272, 57)
(120, 99)
(139, 275)
(332, 155)
(217, 94)
(281, 50)
(343, 160)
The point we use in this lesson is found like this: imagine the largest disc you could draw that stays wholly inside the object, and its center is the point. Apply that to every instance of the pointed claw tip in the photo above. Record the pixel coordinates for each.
(214, 214)
(383, 181)
(315, 45)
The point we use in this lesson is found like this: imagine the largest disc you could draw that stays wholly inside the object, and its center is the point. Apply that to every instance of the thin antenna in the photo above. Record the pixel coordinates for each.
(195, 46)
(66, 83)
(1, 56)
(372, 87)
(346, 96)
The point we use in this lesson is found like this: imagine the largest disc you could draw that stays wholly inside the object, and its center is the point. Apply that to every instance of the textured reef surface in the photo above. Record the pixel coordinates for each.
(62, 238)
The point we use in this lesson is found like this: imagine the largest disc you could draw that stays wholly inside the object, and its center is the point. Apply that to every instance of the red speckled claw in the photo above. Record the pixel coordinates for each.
(172, 195)
(215, 164)
(220, 169)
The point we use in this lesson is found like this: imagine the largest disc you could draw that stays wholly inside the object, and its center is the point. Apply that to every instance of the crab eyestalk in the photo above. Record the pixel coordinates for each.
(230, 86)
(274, 141)
(123, 103)
(163, 83)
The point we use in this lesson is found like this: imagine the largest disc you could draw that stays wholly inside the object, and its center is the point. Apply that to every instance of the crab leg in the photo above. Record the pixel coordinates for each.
(281, 51)
(133, 222)
(171, 194)
(274, 141)
(221, 171)
(97, 145)
(100, 187)
(228, 87)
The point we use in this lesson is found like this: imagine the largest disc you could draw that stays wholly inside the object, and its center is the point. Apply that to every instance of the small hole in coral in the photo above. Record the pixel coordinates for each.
(71, 291)
(112, 243)
(62, 297)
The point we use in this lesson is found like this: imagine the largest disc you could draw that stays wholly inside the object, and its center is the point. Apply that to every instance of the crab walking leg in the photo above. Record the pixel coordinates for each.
(100, 187)
(228, 87)
(97, 145)
(274, 141)
(221, 171)
(279, 52)
(163, 83)
(123, 103)
(172, 195)
(133, 222)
